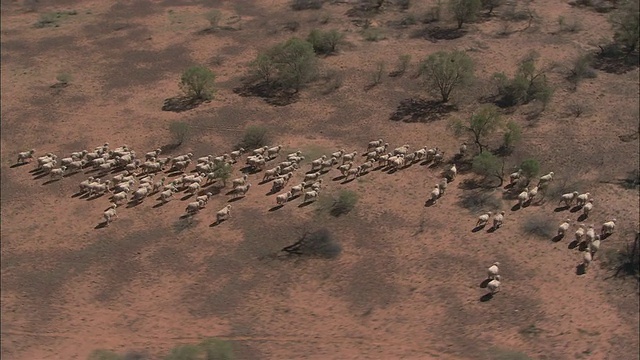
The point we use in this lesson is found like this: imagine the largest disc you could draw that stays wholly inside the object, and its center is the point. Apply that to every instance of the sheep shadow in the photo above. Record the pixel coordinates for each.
(478, 228)
(158, 205)
(484, 283)
(424, 163)
(306, 203)
(557, 238)
(604, 236)
(271, 192)
(575, 209)
(17, 165)
(491, 230)
(276, 208)
(230, 192)
(582, 217)
(132, 204)
(338, 178)
(101, 225)
(185, 216)
(70, 174)
(581, 269)
(186, 197)
(264, 181)
(572, 245)
(433, 165)
(486, 297)
(34, 171)
(392, 171)
(78, 194)
(50, 182)
(560, 208)
(311, 171)
(91, 198)
(174, 174)
(235, 199)
(39, 176)
(294, 197)
(216, 223)
(429, 203)
(582, 246)
(516, 207)
(346, 181)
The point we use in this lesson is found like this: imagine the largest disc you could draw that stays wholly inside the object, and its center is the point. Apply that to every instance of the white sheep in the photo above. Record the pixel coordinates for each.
(381, 149)
(494, 285)
(421, 153)
(225, 212)
(296, 159)
(316, 185)
(46, 168)
(239, 181)
(409, 158)
(241, 190)
(273, 151)
(140, 194)
(372, 156)
(260, 150)
(328, 163)
(110, 214)
(586, 259)
(579, 233)
(568, 198)
(57, 173)
(383, 160)
(235, 155)
(285, 164)
(181, 165)
(286, 177)
(310, 195)
(120, 197)
(193, 188)
(463, 149)
(99, 188)
(204, 159)
(84, 185)
(194, 207)
(590, 235)
(318, 162)
(582, 199)
(124, 186)
(562, 228)
(493, 271)
(338, 154)
(76, 166)
(442, 186)
(452, 172)
(533, 192)
(438, 157)
(546, 178)
(277, 184)
(297, 189)
(484, 219)
(352, 171)
(608, 227)
(586, 209)
(289, 169)
(283, 198)
(204, 198)
(349, 157)
(401, 150)
(374, 143)
(345, 167)
(268, 174)
(158, 185)
(166, 195)
(312, 176)
(594, 246)
(364, 168)
(523, 197)
(513, 177)
(435, 194)
(397, 163)
(23, 156)
(294, 155)
(498, 219)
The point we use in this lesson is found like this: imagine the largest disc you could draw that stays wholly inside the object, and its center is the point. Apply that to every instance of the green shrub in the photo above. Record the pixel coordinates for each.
(530, 168)
(626, 25)
(345, 202)
(197, 82)
(443, 72)
(373, 34)
(179, 131)
(540, 226)
(64, 78)
(325, 42)
(464, 11)
(528, 84)
(512, 136)
(254, 137)
(489, 166)
(101, 354)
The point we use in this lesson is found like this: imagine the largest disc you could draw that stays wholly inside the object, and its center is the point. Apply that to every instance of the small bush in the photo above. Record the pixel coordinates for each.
(626, 24)
(530, 168)
(318, 243)
(325, 42)
(581, 69)
(254, 137)
(577, 109)
(489, 5)
(476, 201)
(345, 202)
(512, 136)
(179, 131)
(333, 81)
(216, 349)
(464, 11)
(527, 85)
(540, 226)
(489, 166)
(373, 34)
(403, 64)
(443, 72)
(64, 78)
(101, 354)
(433, 14)
(213, 17)
(403, 4)
(197, 82)
(378, 74)
(306, 4)
(571, 26)
(292, 26)
(632, 180)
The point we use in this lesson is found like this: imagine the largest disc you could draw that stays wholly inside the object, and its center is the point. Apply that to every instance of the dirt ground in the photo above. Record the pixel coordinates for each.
(406, 284)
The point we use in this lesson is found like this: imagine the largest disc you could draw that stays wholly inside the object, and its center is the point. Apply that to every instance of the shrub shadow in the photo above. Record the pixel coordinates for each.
(272, 95)
(181, 103)
(420, 110)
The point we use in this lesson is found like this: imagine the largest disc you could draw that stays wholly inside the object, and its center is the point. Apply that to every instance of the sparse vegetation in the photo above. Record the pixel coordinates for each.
(254, 137)
(445, 71)
(632, 180)
(433, 14)
(373, 34)
(179, 131)
(53, 19)
(529, 83)
(319, 243)
(345, 202)
(306, 4)
(101, 354)
(530, 168)
(197, 82)
(213, 17)
(511, 136)
(403, 64)
(209, 349)
(479, 125)
(581, 69)
(540, 226)
(378, 74)
(489, 166)
(576, 109)
(626, 25)
(476, 201)
(223, 172)
(325, 42)
(572, 25)
(490, 5)
(64, 78)
(464, 11)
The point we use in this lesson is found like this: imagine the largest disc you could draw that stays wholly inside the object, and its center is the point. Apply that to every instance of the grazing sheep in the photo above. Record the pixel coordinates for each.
(562, 229)
(239, 181)
(328, 163)
(23, 156)
(513, 177)
(296, 190)
(579, 233)
(76, 166)
(204, 198)
(586, 259)
(260, 151)
(286, 177)
(498, 219)
(241, 190)
(120, 197)
(401, 150)
(349, 157)
(374, 144)
(438, 157)
(193, 188)
(46, 168)
(568, 198)
(317, 163)
(181, 165)
(311, 195)
(586, 209)
(345, 167)
(166, 195)
(294, 155)
(452, 172)
(463, 149)
(110, 214)
(608, 227)
(383, 160)
(283, 198)
(523, 197)
(224, 213)
(582, 199)
(124, 187)
(546, 178)
(273, 151)
(289, 169)
(268, 174)
(442, 186)
(317, 185)
(158, 185)
(381, 149)
(312, 176)
(494, 285)
(493, 271)
(57, 173)
(435, 194)
(194, 207)
(140, 194)
(484, 219)
(338, 154)
(277, 184)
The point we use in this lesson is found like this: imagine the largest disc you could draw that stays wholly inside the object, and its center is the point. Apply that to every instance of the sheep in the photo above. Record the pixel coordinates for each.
(297, 189)
(590, 235)
(586, 209)
(234, 155)
(317, 163)
(493, 271)
(296, 159)
(463, 149)
(311, 195)
(193, 188)
(401, 150)
(568, 198)
(251, 160)
(152, 154)
(140, 194)
(442, 186)
(328, 163)
(95, 163)
(562, 229)
(120, 197)
(513, 177)
(523, 197)
(23, 156)
(312, 176)
(579, 233)
(352, 171)
(582, 199)
(284, 164)
(79, 155)
(66, 161)
(181, 165)
(283, 198)
(317, 185)
(381, 149)
(220, 159)
(46, 168)
(546, 178)
(484, 219)
(204, 159)
(258, 163)
(594, 246)
(349, 157)
(224, 213)
(239, 181)
(364, 168)
(438, 157)
(99, 188)
(133, 166)
(372, 156)
(586, 259)
(84, 185)
(431, 153)
(268, 174)
(409, 158)
(289, 169)
(76, 166)
(193, 207)
(294, 155)
(421, 153)
(273, 151)
(166, 195)
(383, 160)
(164, 161)
(452, 172)
(398, 162)
(106, 167)
(57, 173)
(498, 219)
(260, 150)
(110, 214)
(286, 177)
(277, 184)
(241, 190)
(608, 227)
(374, 143)
(532, 193)
(494, 285)
(204, 198)
(345, 167)
(435, 194)
(181, 158)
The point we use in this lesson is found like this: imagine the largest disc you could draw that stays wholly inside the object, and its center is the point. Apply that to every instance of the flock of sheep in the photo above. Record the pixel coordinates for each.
(140, 173)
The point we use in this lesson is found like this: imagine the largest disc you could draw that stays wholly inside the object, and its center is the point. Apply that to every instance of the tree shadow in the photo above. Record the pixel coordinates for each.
(611, 59)
(181, 103)
(435, 33)
(572, 245)
(269, 92)
(557, 238)
(420, 110)
(484, 283)
(486, 297)
(276, 208)
(17, 165)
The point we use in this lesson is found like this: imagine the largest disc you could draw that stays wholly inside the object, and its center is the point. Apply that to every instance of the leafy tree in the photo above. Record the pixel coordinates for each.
(529, 83)
(180, 131)
(197, 82)
(626, 24)
(479, 125)
(325, 42)
(291, 64)
(512, 136)
(530, 168)
(464, 11)
(489, 166)
(445, 71)
(223, 172)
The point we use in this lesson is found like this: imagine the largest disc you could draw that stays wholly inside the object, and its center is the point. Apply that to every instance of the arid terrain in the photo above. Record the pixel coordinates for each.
(407, 282)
